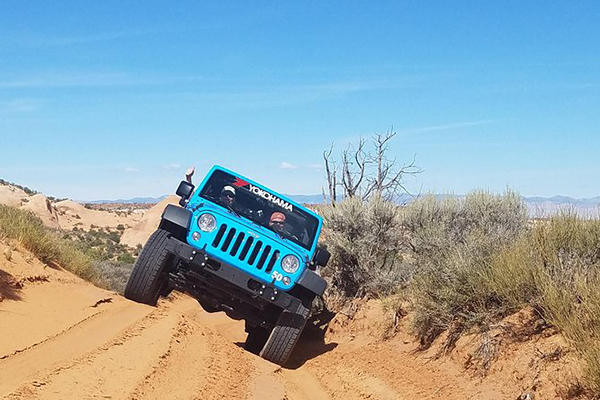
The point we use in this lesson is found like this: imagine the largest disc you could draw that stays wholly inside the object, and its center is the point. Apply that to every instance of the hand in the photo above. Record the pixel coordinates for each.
(188, 174)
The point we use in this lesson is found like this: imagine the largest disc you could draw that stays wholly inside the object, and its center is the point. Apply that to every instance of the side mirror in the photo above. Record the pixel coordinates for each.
(321, 257)
(184, 191)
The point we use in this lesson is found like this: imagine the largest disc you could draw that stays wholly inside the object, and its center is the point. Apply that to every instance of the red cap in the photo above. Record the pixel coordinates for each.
(277, 217)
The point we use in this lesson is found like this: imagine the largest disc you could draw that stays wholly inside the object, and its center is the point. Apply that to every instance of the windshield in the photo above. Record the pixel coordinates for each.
(262, 207)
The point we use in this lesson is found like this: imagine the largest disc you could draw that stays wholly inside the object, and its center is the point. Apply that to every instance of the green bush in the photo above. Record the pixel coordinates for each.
(452, 242)
(364, 239)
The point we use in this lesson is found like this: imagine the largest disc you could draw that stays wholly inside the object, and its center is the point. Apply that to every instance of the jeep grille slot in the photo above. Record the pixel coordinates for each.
(219, 235)
(246, 248)
(228, 239)
(237, 243)
(262, 259)
(254, 252)
(271, 263)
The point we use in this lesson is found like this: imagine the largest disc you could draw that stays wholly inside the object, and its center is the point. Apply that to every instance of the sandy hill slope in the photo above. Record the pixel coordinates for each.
(72, 214)
(66, 214)
(63, 338)
(41, 206)
(38, 204)
(139, 233)
(11, 196)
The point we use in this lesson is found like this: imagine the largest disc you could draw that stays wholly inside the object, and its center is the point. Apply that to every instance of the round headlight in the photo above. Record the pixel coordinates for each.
(290, 264)
(207, 223)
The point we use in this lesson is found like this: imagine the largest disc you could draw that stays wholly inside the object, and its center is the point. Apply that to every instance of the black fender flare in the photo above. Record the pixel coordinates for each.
(312, 282)
(176, 219)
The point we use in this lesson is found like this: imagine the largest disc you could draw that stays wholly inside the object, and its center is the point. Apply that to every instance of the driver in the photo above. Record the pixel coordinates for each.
(227, 197)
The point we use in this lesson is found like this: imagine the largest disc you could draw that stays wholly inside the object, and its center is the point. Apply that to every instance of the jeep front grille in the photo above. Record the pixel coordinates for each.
(245, 248)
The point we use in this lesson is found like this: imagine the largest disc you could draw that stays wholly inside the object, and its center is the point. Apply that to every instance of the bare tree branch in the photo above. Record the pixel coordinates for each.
(366, 174)
(354, 162)
(331, 174)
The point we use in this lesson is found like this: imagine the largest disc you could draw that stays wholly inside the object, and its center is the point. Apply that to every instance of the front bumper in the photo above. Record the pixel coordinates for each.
(221, 277)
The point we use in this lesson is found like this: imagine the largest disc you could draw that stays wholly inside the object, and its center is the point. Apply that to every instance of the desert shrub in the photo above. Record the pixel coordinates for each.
(101, 245)
(126, 258)
(452, 242)
(112, 275)
(115, 236)
(556, 268)
(364, 239)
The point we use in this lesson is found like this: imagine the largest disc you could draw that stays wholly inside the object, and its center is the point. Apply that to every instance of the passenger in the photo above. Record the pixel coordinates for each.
(277, 221)
(227, 196)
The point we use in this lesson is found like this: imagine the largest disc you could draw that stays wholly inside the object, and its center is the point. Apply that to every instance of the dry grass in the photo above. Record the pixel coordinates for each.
(555, 267)
(49, 247)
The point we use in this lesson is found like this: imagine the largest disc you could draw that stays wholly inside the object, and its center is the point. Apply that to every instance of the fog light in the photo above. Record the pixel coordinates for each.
(196, 236)
(286, 280)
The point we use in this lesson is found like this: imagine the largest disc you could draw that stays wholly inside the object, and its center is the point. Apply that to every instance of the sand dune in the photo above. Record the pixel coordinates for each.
(139, 233)
(12, 196)
(66, 214)
(73, 214)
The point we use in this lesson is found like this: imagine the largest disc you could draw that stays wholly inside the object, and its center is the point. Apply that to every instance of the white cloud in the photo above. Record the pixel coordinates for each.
(315, 167)
(286, 165)
(172, 166)
(131, 169)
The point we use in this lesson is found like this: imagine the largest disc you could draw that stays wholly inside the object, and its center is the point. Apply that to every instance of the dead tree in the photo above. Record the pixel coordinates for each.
(331, 171)
(366, 174)
(387, 181)
(354, 163)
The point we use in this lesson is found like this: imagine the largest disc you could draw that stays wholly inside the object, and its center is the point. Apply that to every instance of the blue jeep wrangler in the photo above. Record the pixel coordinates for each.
(237, 247)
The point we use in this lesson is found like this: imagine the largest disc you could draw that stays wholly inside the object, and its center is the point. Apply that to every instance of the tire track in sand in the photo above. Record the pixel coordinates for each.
(43, 370)
(199, 364)
(81, 338)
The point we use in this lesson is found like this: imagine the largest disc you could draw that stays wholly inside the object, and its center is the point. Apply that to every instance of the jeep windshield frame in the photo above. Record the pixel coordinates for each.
(258, 205)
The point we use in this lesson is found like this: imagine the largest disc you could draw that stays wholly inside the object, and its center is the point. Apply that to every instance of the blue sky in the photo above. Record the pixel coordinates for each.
(115, 99)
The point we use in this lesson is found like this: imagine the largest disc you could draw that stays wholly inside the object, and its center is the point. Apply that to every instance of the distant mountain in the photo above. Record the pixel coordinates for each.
(592, 201)
(306, 198)
(547, 206)
(144, 200)
(536, 205)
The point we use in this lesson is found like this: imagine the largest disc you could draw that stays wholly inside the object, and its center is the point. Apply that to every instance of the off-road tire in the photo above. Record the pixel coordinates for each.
(147, 280)
(256, 339)
(285, 335)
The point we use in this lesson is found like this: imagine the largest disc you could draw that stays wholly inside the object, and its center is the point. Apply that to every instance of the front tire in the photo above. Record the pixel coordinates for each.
(147, 279)
(285, 335)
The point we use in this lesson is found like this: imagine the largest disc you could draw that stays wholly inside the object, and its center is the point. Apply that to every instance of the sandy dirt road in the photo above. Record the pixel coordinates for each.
(62, 338)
